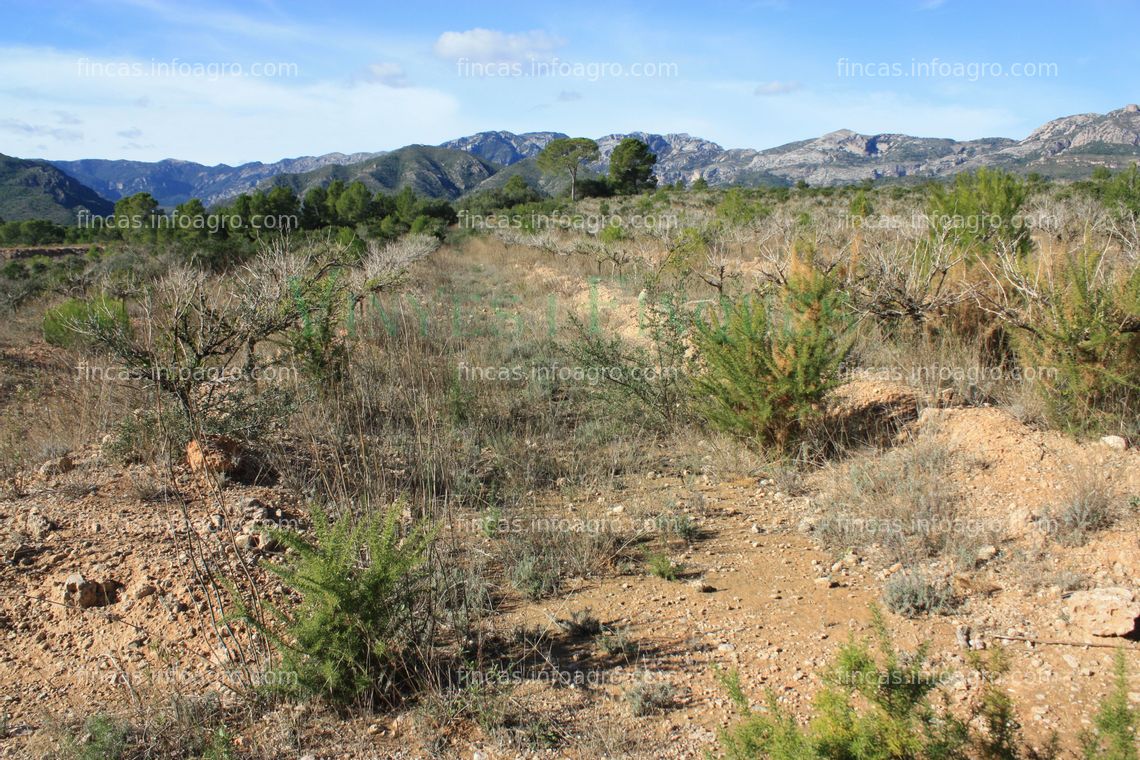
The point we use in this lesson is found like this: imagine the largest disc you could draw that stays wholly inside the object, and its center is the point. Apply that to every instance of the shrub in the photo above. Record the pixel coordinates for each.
(648, 696)
(664, 568)
(536, 575)
(537, 559)
(355, 634)
(1121, 192)
(1083, 327)
(644, 377)
(1088, 508)
(581, 624)
(319, 342)
(70, 324)
(1116, 726)
(177, 727)
(912, 594)
(105, 737)
(737, 209)
(617, 643)
(981, 211)
(676, 523)
(904, 501)
(894, 719)
(878, 707)
(768, 363)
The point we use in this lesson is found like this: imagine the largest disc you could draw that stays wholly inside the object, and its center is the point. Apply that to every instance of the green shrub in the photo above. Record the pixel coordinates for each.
(894, 719)
(105, 739)
(676, 523)
(148, 435)
(664, 568)
(769, 362)
(1116, 726)
(980, 212)
(1121, 191)
(737, 209)
(319, 342)
(68, 324)
(879, 707)
(1082, 330)
(355, 636)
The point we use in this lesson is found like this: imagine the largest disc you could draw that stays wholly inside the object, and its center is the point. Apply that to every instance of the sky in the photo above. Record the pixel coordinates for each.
(263, 80)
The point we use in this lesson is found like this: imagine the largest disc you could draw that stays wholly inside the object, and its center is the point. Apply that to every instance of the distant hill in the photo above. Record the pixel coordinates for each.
(172, 182)
(503, 148)
(1066, 148)
(432, 171)
(31, 189)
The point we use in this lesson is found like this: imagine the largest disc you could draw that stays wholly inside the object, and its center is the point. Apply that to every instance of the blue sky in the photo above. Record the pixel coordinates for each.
(234, 82)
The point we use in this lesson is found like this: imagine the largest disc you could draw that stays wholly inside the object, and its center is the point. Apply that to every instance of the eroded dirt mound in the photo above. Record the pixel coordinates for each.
(870, 412)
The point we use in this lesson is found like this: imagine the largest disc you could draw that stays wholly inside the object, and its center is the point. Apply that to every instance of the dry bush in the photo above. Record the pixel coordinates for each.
(904, 502)
(1088, 507)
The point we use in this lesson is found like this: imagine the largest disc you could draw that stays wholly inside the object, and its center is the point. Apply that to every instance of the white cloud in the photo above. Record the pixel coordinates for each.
(70, 119)
(492, 46)
(234, 119)
(776, 88)
(389, 74)
(19, 127)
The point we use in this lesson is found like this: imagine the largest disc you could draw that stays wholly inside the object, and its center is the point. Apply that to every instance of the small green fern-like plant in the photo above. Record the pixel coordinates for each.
(354, 636)
(768, 362)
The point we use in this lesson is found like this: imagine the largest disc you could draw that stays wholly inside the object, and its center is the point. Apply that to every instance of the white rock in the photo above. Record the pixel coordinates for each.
(1115, 442)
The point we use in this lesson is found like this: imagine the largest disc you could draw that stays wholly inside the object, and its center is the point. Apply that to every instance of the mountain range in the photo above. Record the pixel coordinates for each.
(1065, 148)
(37, 190)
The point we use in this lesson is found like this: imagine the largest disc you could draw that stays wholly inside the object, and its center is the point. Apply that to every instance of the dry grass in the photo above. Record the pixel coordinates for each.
(413, 423)
(903, 502)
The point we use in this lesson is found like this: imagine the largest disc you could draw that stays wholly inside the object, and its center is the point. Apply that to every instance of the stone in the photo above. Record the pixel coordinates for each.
(58, 466)
(214, 455)
(986, 553)
(82, 593)
(38, 526)
(1115, 442)
(220, 456)
(1111, 611)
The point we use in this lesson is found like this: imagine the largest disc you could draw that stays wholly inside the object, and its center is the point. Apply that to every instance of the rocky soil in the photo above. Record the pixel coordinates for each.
(103, 597)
